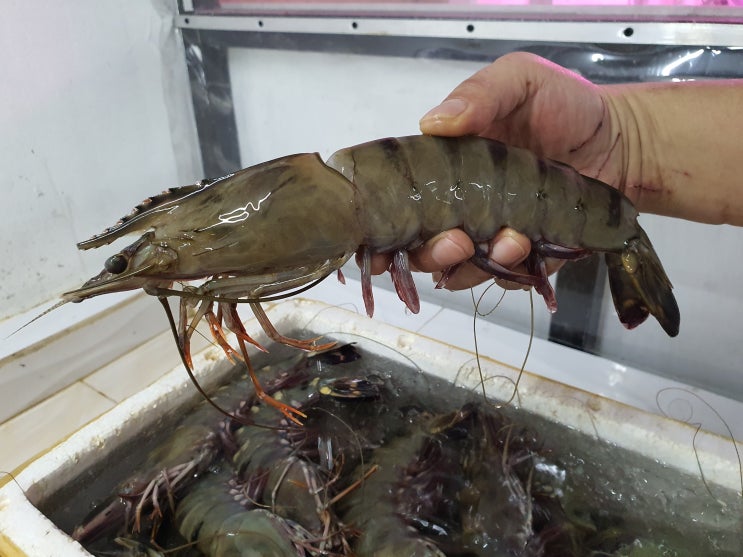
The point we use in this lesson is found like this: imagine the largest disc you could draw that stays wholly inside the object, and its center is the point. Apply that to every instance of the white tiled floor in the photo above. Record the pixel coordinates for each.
(43, 425)
(134, 371)
(34, 431)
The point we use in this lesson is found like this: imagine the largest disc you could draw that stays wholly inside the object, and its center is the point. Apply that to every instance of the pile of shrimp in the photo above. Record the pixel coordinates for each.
(378, 468)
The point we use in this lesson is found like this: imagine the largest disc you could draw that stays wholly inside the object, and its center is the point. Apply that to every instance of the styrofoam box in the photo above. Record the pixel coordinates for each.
(26, 531)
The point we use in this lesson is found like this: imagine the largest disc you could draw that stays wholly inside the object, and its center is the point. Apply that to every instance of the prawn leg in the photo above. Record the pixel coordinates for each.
(402, 278)
(537, 279)
(255, 287)
(536, 266)
(215, 326)
(273, 334)
(364, 255)
(289, 411)
(186, 329)
(228, 313)
(537, 275)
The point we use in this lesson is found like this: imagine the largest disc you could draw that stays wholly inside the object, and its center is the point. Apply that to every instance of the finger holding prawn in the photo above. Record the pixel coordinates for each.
(508, 249)
(447, 257)
(447, 249)
(450, 251)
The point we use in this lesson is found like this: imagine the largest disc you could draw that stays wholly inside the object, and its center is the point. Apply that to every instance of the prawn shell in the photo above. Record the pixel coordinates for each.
(431, 184)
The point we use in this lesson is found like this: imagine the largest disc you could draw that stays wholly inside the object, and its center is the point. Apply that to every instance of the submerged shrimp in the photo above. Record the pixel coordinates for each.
(281, 225)
(199, 440)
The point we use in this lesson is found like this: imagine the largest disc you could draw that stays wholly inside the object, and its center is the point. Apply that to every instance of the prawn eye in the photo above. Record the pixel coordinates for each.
(116, 264)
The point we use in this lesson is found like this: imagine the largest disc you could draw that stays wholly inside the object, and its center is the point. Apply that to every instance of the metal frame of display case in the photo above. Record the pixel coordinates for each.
(630, 43)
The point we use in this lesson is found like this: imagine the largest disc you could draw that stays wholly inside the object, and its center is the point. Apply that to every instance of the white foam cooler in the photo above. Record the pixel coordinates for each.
(26, 531)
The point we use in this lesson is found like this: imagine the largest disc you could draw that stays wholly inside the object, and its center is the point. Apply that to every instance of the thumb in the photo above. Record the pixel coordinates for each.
(489, 95)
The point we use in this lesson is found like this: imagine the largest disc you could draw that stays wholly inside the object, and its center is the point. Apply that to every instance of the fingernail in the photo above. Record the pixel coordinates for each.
(446, 110)
(445, 252)
(507, 251)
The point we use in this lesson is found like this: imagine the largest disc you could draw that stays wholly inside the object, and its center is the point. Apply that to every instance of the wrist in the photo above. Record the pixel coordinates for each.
(632, 146)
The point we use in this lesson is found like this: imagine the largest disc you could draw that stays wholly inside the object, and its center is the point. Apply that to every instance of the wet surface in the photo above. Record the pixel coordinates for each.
(389, 461)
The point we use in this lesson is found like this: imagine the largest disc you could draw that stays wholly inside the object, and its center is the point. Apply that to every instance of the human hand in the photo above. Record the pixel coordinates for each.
(526, 101)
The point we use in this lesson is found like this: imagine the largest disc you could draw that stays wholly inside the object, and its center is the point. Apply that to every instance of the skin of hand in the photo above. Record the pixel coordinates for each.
(672, 148)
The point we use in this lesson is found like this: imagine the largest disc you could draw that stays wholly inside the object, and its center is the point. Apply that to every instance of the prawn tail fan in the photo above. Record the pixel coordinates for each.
(640, 287)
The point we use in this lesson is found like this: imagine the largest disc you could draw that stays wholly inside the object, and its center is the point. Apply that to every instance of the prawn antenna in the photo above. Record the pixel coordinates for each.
(477, 313)
(42, 314)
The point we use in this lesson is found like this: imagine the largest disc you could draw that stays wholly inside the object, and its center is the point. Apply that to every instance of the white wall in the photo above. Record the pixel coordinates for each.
(94, 116)
(301, 101)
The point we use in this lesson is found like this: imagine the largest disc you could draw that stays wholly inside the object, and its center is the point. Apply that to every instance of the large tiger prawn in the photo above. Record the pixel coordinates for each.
(278, 226)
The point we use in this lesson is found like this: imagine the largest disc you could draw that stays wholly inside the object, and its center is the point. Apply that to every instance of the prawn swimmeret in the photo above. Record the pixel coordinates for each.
(278, 226)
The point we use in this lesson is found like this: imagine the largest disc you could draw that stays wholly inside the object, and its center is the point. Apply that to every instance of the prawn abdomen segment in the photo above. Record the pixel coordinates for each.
(412, 188)
(389, 213)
